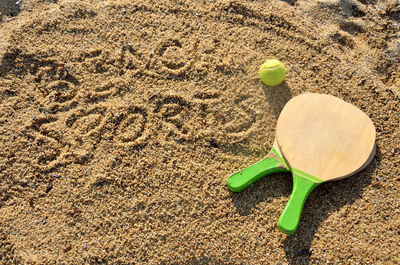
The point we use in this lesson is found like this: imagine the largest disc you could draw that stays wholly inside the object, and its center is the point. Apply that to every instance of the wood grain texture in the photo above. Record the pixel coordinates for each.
(324, 136)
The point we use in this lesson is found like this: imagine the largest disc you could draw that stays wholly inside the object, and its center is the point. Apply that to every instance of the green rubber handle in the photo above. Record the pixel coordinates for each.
(244, 178)
(303, 184)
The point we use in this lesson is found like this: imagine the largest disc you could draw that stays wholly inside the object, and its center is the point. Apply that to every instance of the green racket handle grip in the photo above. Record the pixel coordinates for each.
(242, 179)
(303, 184)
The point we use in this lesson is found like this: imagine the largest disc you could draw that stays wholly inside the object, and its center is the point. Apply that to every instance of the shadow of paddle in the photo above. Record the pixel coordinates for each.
(10, 7)
(271, 186)
(327, 198)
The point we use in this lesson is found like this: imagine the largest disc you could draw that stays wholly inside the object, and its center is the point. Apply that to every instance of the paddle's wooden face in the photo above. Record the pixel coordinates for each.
(324, 136)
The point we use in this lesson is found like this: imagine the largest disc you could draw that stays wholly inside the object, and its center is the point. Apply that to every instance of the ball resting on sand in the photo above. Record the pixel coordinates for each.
(272, 72)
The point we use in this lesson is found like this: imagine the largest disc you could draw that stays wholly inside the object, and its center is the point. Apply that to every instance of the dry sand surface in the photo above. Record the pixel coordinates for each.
(121, 120)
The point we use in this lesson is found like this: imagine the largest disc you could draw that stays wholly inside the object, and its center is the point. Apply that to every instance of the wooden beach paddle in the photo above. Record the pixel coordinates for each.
(321, 138)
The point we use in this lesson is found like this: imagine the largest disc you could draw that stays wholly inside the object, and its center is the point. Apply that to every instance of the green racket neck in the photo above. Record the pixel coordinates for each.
(271, 164)
(303, 184)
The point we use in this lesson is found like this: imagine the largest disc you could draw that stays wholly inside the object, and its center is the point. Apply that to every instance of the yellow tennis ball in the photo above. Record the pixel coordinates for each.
(272, 72)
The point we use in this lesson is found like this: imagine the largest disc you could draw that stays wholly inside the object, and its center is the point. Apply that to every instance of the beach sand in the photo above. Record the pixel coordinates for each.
(121, 120)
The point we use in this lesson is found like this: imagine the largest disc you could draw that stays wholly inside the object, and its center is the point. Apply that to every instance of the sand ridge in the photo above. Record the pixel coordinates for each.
(120, 121)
